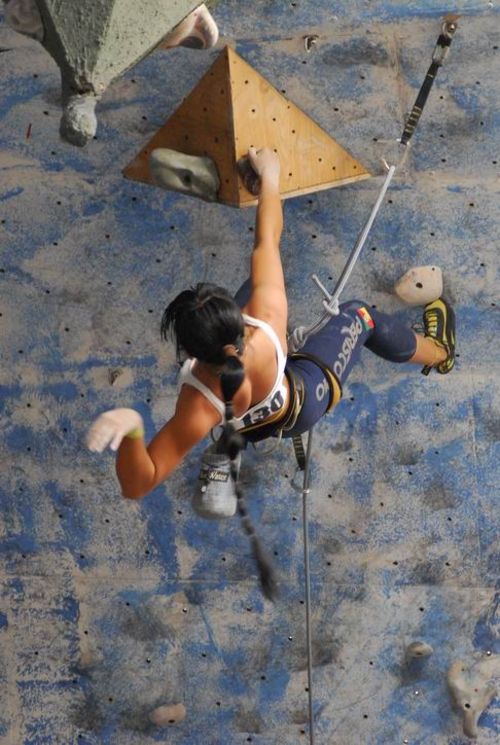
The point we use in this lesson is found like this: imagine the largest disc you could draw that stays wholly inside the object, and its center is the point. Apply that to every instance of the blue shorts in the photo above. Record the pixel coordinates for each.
(338, 345)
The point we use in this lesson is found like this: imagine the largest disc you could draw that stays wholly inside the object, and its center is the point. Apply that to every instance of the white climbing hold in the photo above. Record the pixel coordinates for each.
(165, 715)
(472, 692)
(420, 285)
(197, 31)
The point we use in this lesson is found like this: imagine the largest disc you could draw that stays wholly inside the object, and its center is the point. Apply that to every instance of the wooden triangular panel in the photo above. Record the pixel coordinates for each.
(310, 159)
(202, 125)
(232, 108)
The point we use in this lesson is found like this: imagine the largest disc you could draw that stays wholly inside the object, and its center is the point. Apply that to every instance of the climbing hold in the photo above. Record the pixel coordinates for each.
(79, 122)
(24, 17)
(249, 177)
(472, 692)
(232, 108)
(114, 374)
(418, 649)
(190, 174)
(420, 285)
(165, 715)
(197, 31)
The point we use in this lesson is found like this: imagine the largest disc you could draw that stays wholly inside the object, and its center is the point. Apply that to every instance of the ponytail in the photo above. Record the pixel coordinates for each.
(232, 443)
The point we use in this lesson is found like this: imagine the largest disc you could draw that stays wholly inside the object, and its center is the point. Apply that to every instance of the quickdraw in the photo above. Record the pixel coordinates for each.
(331, 307)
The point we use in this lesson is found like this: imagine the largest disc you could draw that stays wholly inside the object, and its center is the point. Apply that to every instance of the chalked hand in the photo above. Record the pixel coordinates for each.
(111, 427)
(265, 162)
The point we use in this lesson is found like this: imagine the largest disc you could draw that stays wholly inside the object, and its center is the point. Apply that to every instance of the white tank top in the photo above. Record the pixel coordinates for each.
(273, 402)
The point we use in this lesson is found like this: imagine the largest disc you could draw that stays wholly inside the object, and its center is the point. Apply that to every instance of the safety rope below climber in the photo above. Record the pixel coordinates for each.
(331, 307)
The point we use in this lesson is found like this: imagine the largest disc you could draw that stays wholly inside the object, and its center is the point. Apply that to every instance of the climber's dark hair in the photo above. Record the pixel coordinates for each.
(203, 320)
(232, 443)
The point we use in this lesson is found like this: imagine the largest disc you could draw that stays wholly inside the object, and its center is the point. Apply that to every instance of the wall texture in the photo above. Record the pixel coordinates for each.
(108, 608)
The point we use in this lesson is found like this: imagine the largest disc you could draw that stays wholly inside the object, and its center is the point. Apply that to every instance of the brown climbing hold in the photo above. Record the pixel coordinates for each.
(168, 715)
(416, 650)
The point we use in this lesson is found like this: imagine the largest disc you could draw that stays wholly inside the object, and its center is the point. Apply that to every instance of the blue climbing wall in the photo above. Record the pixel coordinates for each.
(111, 608)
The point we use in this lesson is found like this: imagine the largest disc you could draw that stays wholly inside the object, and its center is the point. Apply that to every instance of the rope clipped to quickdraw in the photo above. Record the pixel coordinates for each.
(331, 300)
(331, 307)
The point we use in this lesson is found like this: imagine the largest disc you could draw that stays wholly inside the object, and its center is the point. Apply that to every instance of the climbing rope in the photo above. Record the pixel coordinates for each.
(331, 308)
(301, 334)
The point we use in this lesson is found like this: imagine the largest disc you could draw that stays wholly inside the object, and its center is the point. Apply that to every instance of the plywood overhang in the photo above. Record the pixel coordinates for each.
(232, 108)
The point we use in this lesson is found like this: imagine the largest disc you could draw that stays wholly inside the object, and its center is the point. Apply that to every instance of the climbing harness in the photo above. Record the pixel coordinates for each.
(331, 308)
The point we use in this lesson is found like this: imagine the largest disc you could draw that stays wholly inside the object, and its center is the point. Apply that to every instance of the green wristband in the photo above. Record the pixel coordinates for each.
(135, 434)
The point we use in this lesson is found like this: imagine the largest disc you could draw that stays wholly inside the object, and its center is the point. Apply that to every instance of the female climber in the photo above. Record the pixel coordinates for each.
(237, 373)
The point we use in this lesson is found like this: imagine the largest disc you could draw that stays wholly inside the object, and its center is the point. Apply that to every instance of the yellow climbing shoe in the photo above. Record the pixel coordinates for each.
(439, 323)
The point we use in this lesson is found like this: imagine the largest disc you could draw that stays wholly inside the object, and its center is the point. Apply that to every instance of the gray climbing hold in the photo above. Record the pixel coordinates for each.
(471, 692)
(165, 715)
(417, 650)
(79, 122)
(190, 174)
(250, 178)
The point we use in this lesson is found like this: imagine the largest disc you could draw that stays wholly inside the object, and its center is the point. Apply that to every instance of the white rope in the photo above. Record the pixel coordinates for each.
(300, 335)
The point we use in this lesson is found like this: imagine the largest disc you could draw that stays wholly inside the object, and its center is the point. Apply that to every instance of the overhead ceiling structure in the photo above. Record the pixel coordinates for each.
(232, 108)
(95, 41)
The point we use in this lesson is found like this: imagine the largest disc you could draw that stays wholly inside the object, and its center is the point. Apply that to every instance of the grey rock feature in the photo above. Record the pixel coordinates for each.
(79, 122)
(193, 175)
(93, 42)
